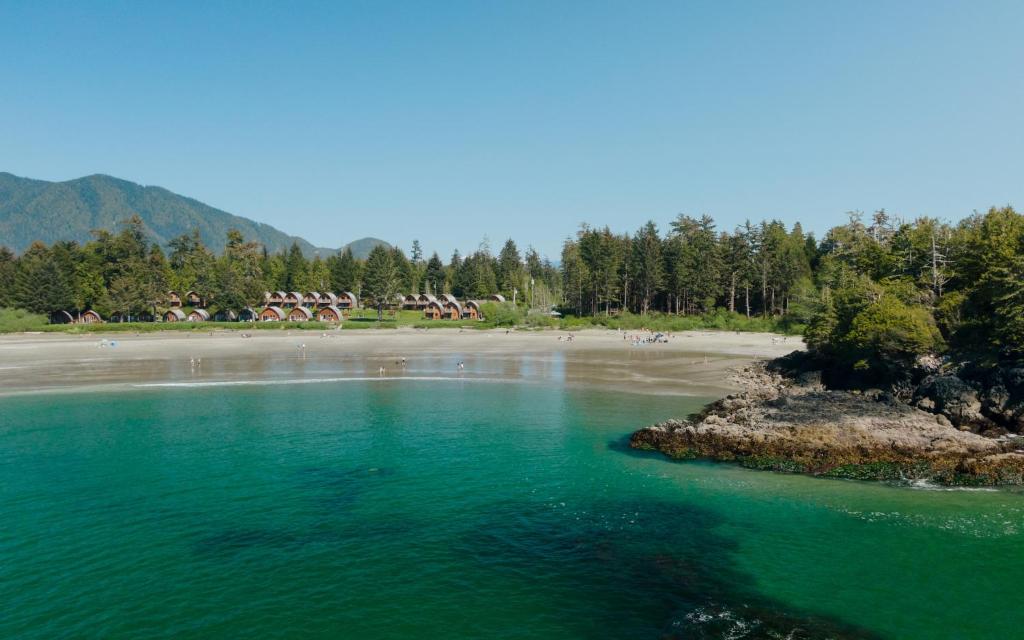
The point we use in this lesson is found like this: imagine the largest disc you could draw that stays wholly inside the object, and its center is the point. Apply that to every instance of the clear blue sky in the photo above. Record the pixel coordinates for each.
(448, 121)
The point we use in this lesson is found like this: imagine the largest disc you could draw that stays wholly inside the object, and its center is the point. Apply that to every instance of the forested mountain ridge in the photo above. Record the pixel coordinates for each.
(49, 212)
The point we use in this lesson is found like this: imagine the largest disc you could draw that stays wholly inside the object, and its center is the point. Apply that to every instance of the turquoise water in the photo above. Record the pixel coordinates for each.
(460, 509)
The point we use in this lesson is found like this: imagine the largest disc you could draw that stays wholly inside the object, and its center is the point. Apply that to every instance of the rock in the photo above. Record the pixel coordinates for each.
(955, 399)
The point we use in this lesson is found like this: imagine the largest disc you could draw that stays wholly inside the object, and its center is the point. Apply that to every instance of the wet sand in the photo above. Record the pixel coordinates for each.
(691, 363)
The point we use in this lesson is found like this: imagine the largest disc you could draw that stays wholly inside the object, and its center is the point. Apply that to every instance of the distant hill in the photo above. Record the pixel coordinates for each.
(362, 247)
(33, 210)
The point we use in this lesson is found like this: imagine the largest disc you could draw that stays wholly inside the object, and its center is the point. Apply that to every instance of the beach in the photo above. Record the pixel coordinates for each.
(689, 363)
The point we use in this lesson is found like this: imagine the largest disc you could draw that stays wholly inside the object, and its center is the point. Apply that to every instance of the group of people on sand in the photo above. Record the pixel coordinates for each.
(649, 337)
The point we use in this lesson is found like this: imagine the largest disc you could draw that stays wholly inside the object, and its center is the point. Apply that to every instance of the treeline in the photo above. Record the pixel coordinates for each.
(125, 274)
(759, 269)
(874, 293)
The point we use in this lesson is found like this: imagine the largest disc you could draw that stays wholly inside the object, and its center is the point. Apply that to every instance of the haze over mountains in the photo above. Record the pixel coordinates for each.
(33, 210)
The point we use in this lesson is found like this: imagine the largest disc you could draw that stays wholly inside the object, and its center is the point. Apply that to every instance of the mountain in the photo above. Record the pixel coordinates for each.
(362, 247)
(33, 210)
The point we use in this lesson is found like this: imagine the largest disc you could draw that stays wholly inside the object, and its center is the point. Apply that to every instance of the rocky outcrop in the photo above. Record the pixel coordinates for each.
(799, 426)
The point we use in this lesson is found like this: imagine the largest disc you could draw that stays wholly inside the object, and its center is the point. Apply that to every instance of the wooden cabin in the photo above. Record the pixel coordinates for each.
(61, 317)
(311, 299)
(174, 315)
(173, 299)
(276, 299)
(496, 297)
(226, 315)
(447, 297)
(471, 310)
(327, 300)
(411, 301)
(199, 315)
(433, 310)
(424, 299)
(248, 314)
(452, 310)
(272, 314)
(300, 314)
(193, 299)
(89, 317)
(293, 299)
(347, 300)
(329, 314)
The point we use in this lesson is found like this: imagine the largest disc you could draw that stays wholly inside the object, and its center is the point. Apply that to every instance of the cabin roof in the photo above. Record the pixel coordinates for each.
(303, 310)
(202, 313)
(278, 310)
(177, 313)
(333, 308)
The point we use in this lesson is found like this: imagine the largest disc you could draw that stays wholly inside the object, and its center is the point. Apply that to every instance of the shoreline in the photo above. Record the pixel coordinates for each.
(693, 363)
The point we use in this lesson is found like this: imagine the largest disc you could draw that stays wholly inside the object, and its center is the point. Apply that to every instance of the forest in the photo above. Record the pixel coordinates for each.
(871, 295)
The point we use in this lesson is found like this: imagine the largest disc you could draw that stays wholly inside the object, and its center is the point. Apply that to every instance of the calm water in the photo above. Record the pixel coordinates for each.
(460, 509)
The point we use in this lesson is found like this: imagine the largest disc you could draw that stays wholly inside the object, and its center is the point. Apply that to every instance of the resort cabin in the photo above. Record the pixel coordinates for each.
(472, 311)
(226, 315)
(173, 299)
(61, 317)
(193, 299)
(300, 314)
(411, 301)
(293, 299)
(329, 314)
(452, 310)
(89, 317)
(433, 310)
(447, 297)
(424, 299)
(327, 300)
(272, 314)
(174, 315)
(347, 300)
(248, 314)
(199, 315)
(496, 297)
(276, 299)
(311, 299)
(127, 317)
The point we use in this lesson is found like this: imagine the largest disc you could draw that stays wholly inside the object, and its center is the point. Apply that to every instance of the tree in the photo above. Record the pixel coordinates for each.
(381, 279)
(646, 260)
(39, 283)
(509, 270)
(296, 269)
(7, 270)
(435, 275)
(345, 272)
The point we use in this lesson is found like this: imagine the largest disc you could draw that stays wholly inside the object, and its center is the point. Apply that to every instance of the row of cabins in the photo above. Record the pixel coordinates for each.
(446, 306)
(281, 306)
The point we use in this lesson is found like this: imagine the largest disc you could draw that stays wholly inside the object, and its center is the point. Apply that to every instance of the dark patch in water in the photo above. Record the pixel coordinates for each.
(340, 488)
(233, 541)
(647, 570)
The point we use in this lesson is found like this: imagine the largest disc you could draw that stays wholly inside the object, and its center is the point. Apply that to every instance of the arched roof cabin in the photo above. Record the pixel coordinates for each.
(272, 314)
(347, 300)
(472, 310)
(293, 299)
(173, 299)
(199, 315)
(174, 315)
(433, 310)
(329, 314)
(311, 299)
(327, 300)
(300, 314)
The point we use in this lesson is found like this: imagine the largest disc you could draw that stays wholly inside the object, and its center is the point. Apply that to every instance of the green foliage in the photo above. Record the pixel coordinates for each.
(502, 314)
(14, 320)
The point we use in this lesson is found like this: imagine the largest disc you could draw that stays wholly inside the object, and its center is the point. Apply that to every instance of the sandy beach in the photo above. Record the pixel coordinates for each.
(690, 363)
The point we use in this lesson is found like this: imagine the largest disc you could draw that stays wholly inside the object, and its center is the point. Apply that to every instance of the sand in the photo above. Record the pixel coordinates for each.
(694, 363)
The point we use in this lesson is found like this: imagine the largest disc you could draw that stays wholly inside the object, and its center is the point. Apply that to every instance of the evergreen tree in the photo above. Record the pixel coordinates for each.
(381, 279)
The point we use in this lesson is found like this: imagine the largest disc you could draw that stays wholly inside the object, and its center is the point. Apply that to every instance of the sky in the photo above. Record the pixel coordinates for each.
(451, 122)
